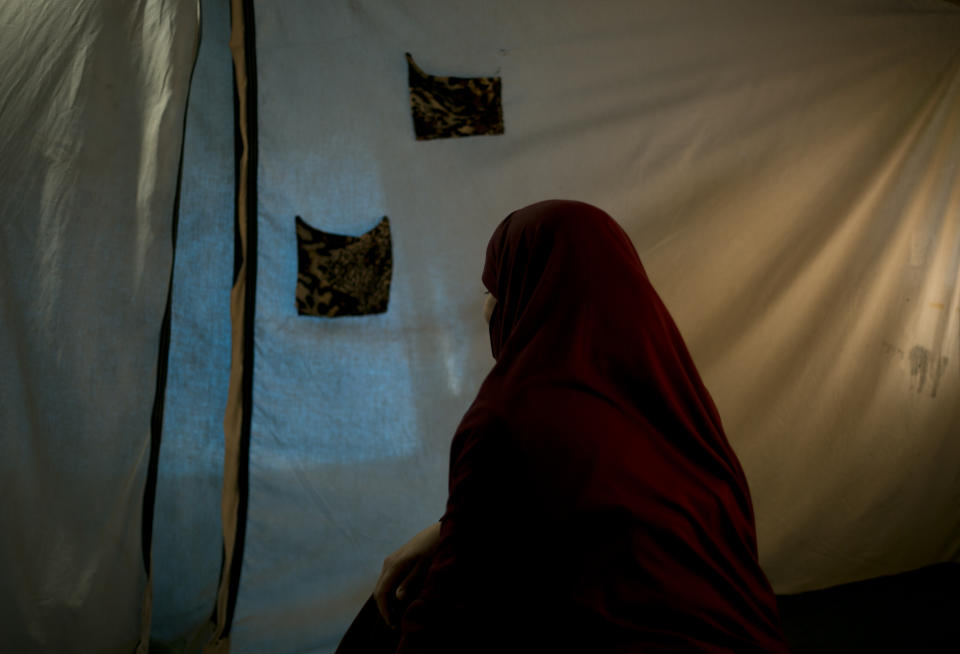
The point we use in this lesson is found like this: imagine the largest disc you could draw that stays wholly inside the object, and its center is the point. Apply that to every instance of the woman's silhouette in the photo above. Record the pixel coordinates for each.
(594, 502)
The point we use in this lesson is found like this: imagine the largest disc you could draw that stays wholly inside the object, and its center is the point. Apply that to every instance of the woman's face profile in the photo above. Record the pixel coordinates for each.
(488, 303)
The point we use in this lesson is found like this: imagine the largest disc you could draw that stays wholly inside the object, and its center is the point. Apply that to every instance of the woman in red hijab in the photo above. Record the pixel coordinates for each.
(595, 504)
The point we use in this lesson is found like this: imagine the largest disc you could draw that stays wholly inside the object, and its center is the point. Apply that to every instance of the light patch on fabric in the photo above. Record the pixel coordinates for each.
(340, 275)
(452, 107)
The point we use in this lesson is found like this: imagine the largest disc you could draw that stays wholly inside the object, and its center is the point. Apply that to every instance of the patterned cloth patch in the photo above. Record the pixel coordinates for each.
(448, 107)
(342, 275)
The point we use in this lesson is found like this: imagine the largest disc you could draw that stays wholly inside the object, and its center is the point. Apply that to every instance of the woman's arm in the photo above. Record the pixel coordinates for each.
(466, 579)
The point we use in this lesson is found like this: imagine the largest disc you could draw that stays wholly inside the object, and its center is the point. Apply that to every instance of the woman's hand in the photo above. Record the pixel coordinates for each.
(404, 570)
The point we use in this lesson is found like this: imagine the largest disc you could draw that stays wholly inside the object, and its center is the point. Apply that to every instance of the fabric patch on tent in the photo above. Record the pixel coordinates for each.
(341, 275)
(450, 107)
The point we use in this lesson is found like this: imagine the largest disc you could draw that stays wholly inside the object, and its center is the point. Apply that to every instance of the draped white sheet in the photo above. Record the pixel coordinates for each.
(91, 118)
(788, 174)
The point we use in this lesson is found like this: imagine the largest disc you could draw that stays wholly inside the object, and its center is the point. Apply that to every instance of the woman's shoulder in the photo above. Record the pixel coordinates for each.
(558, 405)
(543, 418)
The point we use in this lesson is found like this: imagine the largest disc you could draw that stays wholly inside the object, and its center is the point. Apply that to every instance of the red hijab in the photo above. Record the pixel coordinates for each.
(594, 499)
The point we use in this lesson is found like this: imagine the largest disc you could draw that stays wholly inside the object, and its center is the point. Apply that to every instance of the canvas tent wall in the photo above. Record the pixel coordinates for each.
(787, 172)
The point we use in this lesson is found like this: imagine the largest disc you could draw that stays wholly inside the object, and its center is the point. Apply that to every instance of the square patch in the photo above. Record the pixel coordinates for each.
(451, 107)
(339, 275)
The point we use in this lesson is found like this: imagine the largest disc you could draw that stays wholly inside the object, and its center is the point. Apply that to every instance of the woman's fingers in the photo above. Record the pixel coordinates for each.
(403, 570)
(385, 586)
(413, 579)
(381, 603)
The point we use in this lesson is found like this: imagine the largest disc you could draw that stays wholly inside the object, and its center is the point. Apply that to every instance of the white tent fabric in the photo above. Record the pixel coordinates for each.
(92, 119)
(787, 172)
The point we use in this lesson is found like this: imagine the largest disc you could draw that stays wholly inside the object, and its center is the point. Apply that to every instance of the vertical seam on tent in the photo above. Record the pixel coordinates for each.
(250, 56)
(163, 360)
(239, 410)
(237, 168)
